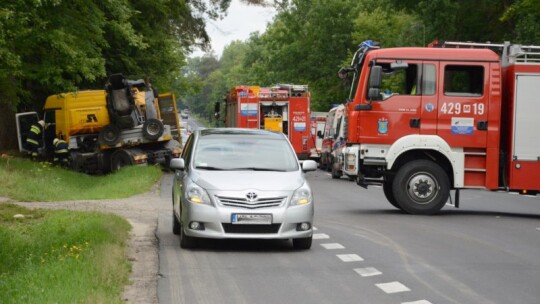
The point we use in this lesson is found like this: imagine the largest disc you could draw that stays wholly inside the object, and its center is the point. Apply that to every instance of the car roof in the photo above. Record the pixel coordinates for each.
(241, 131)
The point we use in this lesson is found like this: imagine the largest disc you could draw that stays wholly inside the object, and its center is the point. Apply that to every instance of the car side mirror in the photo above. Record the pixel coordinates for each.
(309, 165)
(177, 164)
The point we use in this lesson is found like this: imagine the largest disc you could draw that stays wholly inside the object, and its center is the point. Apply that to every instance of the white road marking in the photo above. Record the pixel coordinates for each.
(392, 287)
(349, 257)
(320, 236)
(538, 229)
(367, 272)
(332, 246)
(418, 302)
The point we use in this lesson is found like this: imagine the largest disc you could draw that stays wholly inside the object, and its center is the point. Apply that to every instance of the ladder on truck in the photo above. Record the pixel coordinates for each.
(510, 53)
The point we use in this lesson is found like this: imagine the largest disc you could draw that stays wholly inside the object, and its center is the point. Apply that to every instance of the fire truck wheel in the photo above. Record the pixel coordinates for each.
(421, 187)
(152, 129)
(109, 135)
(119, 160)
(335, 172)
(387, 189)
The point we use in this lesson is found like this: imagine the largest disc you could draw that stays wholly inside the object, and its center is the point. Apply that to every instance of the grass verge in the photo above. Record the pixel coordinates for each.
(62, 256)
(26, 180)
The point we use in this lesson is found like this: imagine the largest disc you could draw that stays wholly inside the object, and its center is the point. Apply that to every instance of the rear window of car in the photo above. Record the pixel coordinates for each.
(244, 152)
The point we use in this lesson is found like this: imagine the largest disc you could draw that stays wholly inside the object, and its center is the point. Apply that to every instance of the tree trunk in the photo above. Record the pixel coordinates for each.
(8, 128)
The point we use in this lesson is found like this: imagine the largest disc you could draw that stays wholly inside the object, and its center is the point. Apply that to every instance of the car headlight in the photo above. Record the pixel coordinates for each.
(302, 196)
(197, 195)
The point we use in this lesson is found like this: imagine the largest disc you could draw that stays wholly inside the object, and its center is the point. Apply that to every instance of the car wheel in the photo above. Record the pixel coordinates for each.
(176, 225)
(387, 189)
(186, 241)
(421, 187)
(303, 243)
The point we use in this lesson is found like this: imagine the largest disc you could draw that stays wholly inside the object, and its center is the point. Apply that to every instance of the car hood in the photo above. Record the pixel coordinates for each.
(241, 180)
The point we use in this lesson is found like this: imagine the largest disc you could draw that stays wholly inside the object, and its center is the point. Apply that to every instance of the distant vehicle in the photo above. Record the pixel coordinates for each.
(282, 108)
(185, 114)
(334, 141)
(318, 120)
(241, 184)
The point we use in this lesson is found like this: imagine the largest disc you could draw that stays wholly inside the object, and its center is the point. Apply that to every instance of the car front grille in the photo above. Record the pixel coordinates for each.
(231, 228)
(242, 202)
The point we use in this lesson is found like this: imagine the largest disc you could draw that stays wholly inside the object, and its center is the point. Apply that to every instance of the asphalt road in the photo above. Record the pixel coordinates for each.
(366, 251)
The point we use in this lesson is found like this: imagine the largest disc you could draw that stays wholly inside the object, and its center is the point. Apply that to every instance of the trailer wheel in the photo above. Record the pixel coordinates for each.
(119, 160)
(152, 129)
(109, 135)
(387, 189)
(421, 187)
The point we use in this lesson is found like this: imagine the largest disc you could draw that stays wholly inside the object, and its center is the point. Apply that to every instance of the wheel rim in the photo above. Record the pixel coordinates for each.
(422, 188)
(153, 129)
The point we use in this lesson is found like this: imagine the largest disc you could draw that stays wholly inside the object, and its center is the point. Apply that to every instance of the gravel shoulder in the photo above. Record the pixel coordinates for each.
(142, 213)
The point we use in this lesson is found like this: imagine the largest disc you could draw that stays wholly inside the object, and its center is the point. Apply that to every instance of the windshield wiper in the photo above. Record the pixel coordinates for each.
(256, 169)
(209, 168)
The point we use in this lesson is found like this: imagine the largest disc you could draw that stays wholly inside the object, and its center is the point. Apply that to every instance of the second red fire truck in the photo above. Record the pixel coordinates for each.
(424, 121)
(282, 108)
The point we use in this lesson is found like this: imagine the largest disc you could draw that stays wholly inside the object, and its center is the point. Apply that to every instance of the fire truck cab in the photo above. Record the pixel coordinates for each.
(423, 121)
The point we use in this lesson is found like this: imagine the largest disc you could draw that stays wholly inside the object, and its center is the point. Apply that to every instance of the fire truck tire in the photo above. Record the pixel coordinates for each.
(152, 129)
(335, 172)
(421, 187)
(119, 160)
(109, 135)
(389, 194)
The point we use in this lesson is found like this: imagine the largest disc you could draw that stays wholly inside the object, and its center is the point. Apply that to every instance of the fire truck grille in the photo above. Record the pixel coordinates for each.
(242, 202)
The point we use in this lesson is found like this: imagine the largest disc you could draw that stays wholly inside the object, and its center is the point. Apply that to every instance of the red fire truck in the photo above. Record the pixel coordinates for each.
(424, 121)
(283, 108)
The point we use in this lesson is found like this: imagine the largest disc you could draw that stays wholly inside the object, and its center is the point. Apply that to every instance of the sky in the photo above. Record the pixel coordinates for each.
(240, 21)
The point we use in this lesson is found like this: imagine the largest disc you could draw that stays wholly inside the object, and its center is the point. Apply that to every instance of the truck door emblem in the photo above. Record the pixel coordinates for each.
(91, 117)
(383, 125)
(430, 107)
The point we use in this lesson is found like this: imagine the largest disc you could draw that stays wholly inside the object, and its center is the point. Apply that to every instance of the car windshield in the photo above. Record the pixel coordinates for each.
(244, 152)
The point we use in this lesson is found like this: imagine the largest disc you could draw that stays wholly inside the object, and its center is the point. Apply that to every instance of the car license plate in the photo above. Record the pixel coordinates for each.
(253, 219)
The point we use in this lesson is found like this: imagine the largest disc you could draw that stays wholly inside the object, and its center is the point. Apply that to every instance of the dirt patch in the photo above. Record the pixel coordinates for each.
(142, 213)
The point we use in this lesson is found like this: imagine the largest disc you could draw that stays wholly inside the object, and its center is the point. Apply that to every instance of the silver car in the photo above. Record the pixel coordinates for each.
(241, 184)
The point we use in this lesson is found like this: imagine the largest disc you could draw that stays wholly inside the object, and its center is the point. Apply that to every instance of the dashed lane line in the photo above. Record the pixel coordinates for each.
(418, 302)
(320, 236)
(333, 246)
(392, 287)
(349, 257)
(368, 272)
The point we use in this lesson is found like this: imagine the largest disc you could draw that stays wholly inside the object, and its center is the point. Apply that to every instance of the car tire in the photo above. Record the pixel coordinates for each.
(302, 243)
(176, 225)
(186, 241)
(421, 187)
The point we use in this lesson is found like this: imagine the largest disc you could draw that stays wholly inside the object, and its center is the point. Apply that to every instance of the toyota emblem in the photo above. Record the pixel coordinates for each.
(251, 196)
